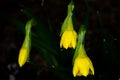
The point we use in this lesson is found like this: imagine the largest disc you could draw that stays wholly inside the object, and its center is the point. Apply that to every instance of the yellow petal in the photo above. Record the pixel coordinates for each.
(64, 40)
(67, 39)
(91, 67)
(74, 38)
(75, 70)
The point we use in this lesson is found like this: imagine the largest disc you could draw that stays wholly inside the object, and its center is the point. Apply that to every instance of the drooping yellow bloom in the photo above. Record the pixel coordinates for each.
(82, 66)
(24, 51)
(68, 39)
(23, 56)
(26, 46)
(68, 34)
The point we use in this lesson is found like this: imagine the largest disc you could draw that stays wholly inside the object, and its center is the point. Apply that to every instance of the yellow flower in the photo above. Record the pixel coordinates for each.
(82, 66)
(23, 56)
(68, 39)
(68, 34)
(26, 46)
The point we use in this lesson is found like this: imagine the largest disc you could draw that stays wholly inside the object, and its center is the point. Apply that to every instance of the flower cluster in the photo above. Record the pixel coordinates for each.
(82, 65)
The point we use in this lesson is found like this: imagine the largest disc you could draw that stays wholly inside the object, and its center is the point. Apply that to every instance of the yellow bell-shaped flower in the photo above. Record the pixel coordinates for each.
(68, 39)
(68, 34)
(82, 64)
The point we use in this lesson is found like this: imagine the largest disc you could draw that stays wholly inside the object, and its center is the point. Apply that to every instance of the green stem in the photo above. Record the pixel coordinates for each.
(81, 34)
(70, 7)
(84, 26)
(86, 15)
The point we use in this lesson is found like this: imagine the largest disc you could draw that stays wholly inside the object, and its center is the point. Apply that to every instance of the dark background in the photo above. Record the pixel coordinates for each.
(102, 41)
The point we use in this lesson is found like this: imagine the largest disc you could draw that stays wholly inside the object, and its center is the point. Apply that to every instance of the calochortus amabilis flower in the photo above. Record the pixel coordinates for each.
(26, 46)
(82, 65)
(68, 34)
